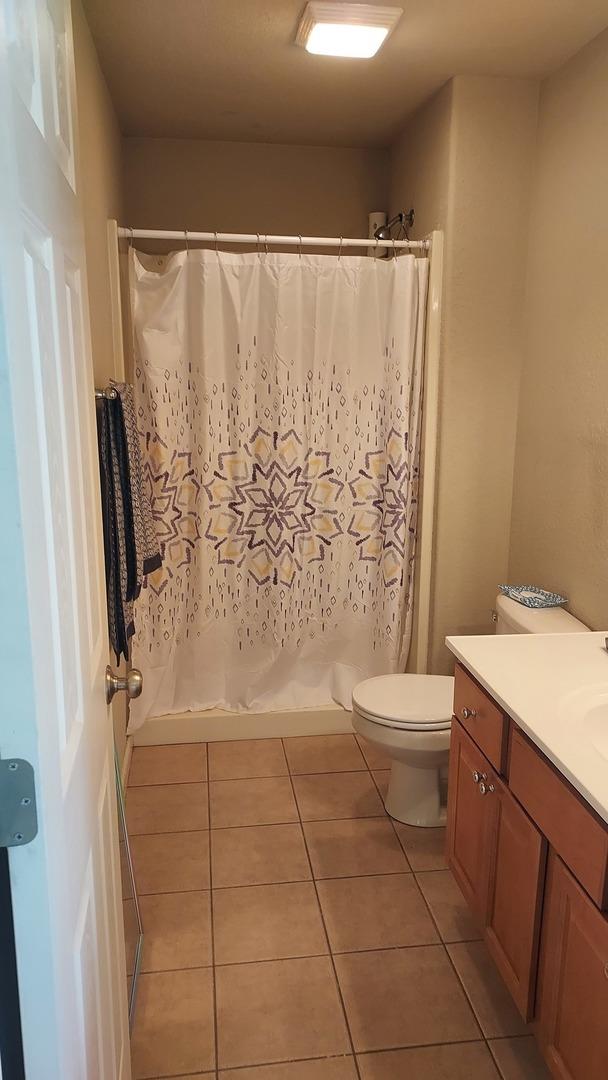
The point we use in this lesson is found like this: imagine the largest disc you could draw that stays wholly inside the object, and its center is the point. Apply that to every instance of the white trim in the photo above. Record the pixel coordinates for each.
(430, 424)
(216, 725)
(116, 301)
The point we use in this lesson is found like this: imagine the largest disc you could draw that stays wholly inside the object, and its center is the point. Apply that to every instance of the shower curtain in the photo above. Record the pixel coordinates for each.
(279, 403)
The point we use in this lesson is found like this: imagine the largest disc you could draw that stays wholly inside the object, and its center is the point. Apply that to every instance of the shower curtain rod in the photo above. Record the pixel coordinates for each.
(266, 238)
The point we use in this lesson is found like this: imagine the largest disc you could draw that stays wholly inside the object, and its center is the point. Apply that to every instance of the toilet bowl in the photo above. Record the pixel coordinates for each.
(409, 717)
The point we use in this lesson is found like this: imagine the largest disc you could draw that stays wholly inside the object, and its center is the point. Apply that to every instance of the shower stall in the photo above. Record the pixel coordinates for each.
(287, 404)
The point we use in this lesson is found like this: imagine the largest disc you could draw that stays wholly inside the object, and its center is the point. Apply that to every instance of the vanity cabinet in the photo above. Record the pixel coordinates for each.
(573, 980)
(531, 858)
(498, 858)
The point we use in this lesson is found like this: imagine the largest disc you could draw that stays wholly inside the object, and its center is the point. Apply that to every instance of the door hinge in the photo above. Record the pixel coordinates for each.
(18, 817)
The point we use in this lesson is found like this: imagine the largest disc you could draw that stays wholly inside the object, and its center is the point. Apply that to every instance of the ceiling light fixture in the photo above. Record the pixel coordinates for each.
(345, 29)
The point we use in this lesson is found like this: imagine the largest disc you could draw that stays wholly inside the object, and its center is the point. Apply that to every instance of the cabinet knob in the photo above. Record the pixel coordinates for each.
(467, 713)
(606, 969)
(486, 789)
(477, 776)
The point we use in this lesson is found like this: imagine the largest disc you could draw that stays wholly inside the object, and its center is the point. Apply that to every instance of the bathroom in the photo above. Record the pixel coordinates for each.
(287, 916)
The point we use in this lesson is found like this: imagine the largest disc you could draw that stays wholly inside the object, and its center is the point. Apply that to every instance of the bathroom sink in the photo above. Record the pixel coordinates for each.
(585, 712)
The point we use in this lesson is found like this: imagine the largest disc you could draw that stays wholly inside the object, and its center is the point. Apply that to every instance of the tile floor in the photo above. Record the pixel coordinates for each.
(294, 932)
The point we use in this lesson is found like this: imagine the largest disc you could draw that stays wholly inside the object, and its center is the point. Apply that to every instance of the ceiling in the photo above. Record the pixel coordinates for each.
(228, 69)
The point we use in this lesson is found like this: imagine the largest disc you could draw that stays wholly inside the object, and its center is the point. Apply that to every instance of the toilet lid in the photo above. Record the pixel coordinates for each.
(414, 702)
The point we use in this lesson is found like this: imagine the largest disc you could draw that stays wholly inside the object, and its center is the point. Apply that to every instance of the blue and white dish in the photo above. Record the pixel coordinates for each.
(533, 597)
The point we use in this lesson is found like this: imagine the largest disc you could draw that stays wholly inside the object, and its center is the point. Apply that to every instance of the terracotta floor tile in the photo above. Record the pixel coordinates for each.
(324, 754)
(174, 1029)
(487, 993)
(252, 802)
(278, 1011)
(450, 909)
(375, 913)
(183, 764)
(337, 795)
(376, 757)
(519, 1059)
(340, 1068)
(425, 848)
(267, 922)
(158, 808)
(171, 862)
(403, 997)
(258, 855)
(454, 1061)
(382, 777)
(353, 848)
(177, 930)
(246, 758)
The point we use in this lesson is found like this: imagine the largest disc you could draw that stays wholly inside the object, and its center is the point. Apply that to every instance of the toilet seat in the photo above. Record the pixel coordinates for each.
(406, 702)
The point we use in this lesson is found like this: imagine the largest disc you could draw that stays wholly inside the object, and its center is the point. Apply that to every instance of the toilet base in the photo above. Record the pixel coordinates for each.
(414, 796)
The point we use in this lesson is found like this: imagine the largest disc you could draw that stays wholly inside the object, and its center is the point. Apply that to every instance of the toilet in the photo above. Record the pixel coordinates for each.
(409, 718)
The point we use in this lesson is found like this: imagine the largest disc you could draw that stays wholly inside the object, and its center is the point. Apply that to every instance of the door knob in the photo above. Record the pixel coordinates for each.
(133, 683)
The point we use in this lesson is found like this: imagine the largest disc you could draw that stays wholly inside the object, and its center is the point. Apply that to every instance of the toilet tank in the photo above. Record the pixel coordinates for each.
(514, 618)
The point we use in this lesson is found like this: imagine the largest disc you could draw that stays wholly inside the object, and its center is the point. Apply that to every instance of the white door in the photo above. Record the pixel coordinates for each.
(53, 638)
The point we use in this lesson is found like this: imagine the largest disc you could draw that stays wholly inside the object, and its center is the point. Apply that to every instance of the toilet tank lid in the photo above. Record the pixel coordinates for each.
(525, 620)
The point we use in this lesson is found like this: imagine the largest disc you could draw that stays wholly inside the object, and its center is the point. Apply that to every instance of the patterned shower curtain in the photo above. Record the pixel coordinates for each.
(279, 402)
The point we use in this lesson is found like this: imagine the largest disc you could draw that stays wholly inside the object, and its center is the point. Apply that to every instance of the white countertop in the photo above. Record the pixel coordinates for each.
(555, 687)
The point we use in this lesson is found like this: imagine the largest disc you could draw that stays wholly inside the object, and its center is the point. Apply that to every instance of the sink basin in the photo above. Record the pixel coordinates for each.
(585, 712)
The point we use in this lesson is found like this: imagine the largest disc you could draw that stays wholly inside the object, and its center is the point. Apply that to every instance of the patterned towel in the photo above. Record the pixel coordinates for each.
(130, 545)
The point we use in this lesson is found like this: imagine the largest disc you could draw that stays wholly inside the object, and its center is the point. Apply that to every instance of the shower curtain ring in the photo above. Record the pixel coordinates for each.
(259, 246)
(340, 249)
(300, 246)
(266, 244)
(394, 249)
(186, 239)
(131, 238)
(215, 234)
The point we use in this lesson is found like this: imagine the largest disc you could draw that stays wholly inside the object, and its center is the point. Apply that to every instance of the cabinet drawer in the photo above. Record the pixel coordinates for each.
(482, 718)
(575, 832)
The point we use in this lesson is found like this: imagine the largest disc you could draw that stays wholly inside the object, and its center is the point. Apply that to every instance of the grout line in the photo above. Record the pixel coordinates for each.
(328, 1057)
(331, 957)
(212, 932)
(302, 956)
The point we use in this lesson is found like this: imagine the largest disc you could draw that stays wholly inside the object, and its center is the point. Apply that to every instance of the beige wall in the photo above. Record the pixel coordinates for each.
(100, 175)
(560, 502)
(465, 162)
(100, 183)
(252, 187)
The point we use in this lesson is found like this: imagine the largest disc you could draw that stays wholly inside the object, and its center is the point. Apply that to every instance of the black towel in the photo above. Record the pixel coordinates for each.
(129, 551)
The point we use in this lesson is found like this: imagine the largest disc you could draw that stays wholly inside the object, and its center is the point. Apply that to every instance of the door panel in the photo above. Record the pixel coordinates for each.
(65, 884)
(573, 983)
(518, 858)
(469, 820)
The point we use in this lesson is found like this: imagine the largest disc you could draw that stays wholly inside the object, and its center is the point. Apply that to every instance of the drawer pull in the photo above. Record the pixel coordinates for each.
(477, 776)
(468, 714)
(606, 969)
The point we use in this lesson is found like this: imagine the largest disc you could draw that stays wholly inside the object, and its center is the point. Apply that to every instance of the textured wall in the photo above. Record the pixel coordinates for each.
(559, 533)
(252, 187)
(100, 182)
(465, 162)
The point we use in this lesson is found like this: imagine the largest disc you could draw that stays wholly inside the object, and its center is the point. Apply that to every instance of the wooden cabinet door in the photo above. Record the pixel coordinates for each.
(573, 985)
(515, 891)
(470, 825)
